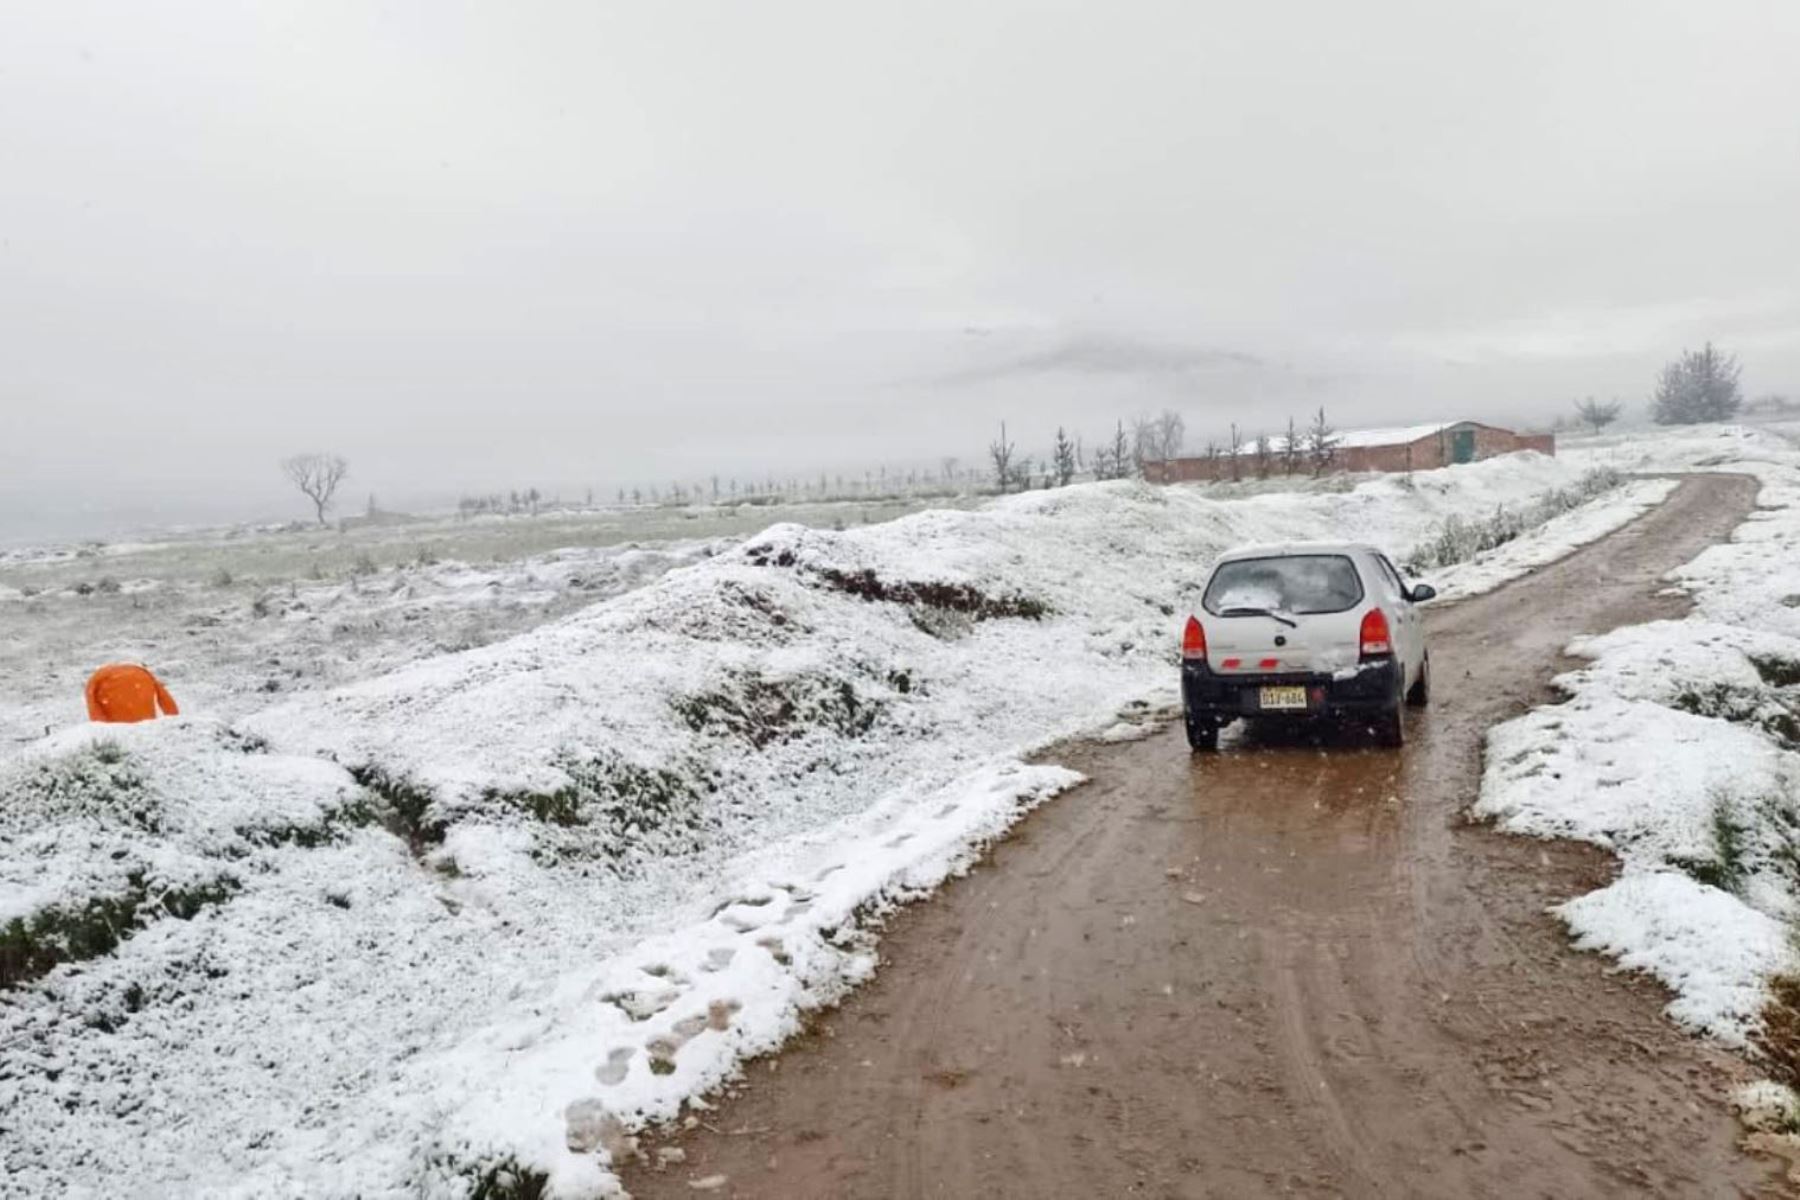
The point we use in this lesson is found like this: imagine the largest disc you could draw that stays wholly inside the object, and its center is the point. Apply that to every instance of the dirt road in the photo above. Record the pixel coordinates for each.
(1287, 969)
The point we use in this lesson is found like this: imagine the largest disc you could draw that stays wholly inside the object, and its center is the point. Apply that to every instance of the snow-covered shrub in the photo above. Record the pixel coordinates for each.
(1458, 539)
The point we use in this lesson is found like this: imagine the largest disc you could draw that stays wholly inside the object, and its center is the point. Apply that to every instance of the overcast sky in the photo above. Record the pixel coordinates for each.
(570, 243)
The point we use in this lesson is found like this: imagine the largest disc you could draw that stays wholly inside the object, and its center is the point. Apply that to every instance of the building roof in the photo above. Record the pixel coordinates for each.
(1400, 435)
(1403, 435)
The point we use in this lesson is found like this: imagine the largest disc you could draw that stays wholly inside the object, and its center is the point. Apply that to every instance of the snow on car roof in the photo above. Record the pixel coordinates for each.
(1285, 549)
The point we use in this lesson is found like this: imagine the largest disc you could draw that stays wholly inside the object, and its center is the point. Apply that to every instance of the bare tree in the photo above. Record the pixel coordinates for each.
(1290, 450)
(1702, 385)
(1265, 456)
(1236, 450)
(1022, 474)
(1321, 443)
(1143, 442)
(317, 476)
(1001, 453)
(1063, 458)
(1121, 453)
(1593, 412)
(1170, 430)
(948, 463)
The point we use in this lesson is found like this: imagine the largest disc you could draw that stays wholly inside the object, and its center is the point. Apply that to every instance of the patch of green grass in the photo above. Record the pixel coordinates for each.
(1776, 672)
(950, 597)
(408, 805)
(504, 1180)
(31, 948)
(1460, 539)
(764, 711)
(100, 782)
(1726, 868)
(327, 831)
(1728, 839)
(1774, 714)
(615, 805)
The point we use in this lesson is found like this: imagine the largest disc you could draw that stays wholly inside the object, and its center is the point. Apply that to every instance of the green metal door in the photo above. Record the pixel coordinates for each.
(1462, 445)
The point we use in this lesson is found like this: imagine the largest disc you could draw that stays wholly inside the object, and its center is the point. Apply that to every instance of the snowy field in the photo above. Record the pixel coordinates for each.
(234, 618)
(438, 921)
(1678, 748)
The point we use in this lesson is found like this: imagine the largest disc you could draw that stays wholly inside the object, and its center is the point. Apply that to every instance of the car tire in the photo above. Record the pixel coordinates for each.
(1390, 727)
(1202, 736)
(1419, 695)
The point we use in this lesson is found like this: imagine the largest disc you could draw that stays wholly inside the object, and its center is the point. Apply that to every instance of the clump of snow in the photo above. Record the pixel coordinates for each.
(1676, 748)
(1709, 948)
(494, 910)
(1768, 1107)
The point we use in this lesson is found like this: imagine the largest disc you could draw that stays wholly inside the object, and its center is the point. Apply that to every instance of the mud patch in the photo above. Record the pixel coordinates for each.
(1779, 1040)
(948, 597)
(961, 598)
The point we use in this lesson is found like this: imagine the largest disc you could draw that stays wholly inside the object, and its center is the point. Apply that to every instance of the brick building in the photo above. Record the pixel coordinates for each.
(1416, 448)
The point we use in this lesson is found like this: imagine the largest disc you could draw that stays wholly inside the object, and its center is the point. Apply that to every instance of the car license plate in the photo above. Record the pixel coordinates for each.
(1284, 698)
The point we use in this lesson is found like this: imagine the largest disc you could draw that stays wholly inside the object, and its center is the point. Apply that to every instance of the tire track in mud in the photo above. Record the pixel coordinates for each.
(1291, 968)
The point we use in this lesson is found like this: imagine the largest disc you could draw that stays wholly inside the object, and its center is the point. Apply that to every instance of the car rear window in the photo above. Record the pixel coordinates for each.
(1297, 583)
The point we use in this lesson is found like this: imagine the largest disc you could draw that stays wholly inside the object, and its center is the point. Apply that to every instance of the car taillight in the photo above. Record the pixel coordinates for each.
(1193, 639)
(1376, 640)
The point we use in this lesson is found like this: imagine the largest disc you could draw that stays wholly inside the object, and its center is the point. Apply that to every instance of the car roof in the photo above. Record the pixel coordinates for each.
(1291, 549)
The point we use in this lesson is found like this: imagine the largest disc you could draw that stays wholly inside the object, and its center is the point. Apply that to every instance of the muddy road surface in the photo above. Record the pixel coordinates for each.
(1289, 969)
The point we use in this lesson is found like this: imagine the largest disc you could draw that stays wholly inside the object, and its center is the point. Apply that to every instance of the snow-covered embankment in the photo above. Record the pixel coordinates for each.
(474, 920)
(1678, 748)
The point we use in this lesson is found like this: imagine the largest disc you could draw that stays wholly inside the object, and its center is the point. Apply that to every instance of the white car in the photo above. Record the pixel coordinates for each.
(1305, 630)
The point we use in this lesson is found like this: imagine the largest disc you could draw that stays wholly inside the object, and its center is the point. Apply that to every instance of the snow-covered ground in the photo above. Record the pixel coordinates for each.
(1677, 750)
(234, 618)
(489, 911)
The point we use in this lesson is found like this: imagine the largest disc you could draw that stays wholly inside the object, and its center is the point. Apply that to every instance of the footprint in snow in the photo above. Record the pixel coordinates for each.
(643, 1004)
(743, 902)
(662, 1051)
(795, 909)
(718, 958)
(720, 1013)
(616, 1066)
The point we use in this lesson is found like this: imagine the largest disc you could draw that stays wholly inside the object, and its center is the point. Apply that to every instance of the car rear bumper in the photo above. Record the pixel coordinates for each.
(1373, 687)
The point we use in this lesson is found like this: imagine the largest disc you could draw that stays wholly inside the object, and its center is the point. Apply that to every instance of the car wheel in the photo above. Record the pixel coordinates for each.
(1419, 695)
(1390, 727)
(1202, 735)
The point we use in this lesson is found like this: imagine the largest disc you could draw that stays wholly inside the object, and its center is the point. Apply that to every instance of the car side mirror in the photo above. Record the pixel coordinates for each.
(1421, 592)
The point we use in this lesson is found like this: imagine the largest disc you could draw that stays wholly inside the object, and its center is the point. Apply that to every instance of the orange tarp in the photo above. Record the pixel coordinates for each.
(127, 692)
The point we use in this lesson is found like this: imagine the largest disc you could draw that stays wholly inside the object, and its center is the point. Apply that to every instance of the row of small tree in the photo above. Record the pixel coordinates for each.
(1702, 385)
(1123, 453)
